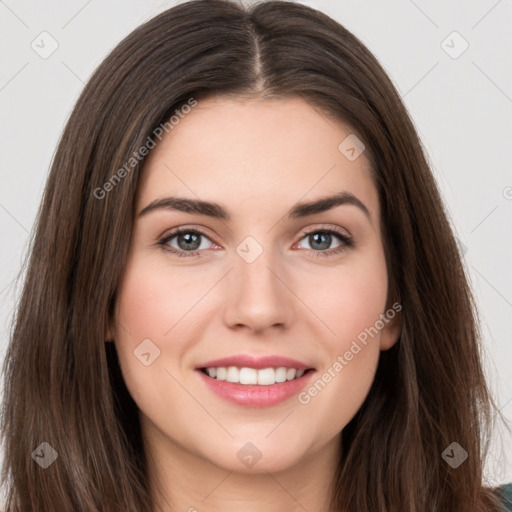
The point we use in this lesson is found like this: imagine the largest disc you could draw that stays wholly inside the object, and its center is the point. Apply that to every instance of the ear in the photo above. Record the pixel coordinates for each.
(392, 320)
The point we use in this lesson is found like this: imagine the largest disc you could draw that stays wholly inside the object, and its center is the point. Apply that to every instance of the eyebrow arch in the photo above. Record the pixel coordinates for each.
(215, 210)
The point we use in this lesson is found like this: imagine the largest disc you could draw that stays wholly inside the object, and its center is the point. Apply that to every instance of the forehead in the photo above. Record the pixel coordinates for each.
(243, 151)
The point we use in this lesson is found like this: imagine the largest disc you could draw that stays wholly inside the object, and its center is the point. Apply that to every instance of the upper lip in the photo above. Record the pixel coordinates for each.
(248, 361)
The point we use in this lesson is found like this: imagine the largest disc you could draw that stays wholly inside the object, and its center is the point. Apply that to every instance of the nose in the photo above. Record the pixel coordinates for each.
(258, 295)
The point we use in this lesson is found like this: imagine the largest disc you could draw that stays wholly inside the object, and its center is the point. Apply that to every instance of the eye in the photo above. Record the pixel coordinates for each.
(321, 239)
(188, 241)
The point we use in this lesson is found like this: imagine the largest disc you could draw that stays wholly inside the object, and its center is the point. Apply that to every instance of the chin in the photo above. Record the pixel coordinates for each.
(253, 457)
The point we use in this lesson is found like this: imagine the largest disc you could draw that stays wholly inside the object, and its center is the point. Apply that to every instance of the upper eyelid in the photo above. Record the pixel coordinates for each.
(176, 231)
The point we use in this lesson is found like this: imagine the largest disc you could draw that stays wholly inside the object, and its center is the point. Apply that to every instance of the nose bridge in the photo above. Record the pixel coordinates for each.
(257, 297)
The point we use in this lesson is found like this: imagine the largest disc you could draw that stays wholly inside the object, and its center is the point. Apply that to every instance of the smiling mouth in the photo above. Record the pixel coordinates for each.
(253, 376)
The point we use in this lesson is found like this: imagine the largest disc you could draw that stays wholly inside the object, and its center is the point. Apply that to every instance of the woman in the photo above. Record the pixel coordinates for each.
(184, 343)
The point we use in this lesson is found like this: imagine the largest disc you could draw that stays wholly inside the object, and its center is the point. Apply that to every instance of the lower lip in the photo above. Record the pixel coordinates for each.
(256, 396)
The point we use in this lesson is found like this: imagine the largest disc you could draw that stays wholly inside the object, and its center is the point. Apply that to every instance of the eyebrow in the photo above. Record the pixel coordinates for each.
(217, 211)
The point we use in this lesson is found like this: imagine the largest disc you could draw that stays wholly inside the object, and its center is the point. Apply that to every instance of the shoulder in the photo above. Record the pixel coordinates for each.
(505, 493)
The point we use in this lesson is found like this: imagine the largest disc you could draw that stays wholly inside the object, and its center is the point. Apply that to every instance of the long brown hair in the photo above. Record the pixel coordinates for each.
(62, 382)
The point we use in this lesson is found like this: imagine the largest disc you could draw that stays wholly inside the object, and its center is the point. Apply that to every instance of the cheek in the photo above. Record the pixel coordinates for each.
(353, 300)
(349, 299)
(153, 311)
(154, 300)
(150, 305)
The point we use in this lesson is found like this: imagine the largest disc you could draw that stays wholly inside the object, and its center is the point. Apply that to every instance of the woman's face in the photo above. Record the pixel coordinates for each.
(266, 277)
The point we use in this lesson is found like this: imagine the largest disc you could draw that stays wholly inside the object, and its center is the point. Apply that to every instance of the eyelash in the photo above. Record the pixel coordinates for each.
(347, 241)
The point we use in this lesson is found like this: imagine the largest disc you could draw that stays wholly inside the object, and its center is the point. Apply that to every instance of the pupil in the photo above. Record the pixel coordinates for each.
(325, 244)
(189, 238)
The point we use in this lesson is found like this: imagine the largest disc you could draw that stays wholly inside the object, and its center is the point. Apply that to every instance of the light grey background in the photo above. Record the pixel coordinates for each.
(462, 108)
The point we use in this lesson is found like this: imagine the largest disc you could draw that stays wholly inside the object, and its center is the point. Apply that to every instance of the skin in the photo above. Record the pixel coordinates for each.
(257, 158)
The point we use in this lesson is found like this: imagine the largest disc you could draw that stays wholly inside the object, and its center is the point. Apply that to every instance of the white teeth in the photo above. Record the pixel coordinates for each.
(290, 373)
(266, 377)
(248, 376)
(263, 377)
(233, 374)
(281, 375)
